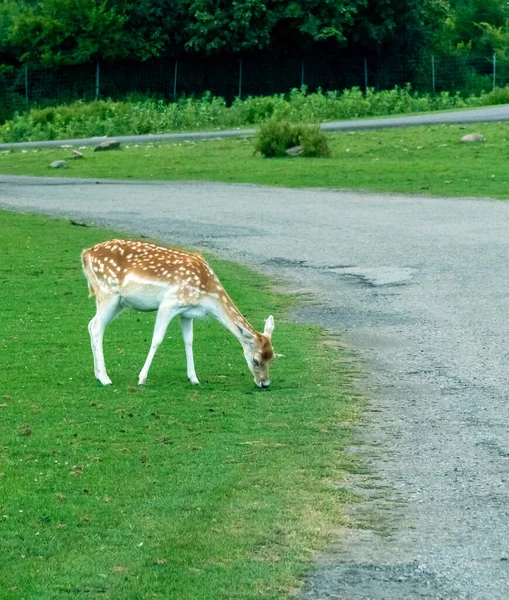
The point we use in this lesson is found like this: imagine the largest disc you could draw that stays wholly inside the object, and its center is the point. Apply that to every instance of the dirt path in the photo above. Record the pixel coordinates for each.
(420, 288)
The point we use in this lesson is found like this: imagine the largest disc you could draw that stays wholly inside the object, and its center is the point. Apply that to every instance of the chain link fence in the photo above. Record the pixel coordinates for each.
(24, 87)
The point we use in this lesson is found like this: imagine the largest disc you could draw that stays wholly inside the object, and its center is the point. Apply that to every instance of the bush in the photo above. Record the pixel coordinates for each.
(314, 142)
(142, 115)
(275, 137)
(497, 96)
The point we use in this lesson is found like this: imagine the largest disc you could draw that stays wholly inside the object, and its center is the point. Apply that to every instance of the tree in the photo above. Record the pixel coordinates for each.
(469, 14)
(400, 27)
(320, 20)
(58, 32)
(242, 25)
(231, 26)
(161, 21)
(9, 12)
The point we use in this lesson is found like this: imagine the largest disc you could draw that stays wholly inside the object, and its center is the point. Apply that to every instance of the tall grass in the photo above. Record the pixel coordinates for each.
(142, 116)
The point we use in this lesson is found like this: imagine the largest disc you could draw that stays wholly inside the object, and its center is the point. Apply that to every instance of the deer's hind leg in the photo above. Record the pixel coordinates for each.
(108, 307)
(187, 334)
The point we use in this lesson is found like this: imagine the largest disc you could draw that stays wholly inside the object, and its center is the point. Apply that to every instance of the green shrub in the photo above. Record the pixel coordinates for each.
(314, 142)
(497, 96)
(275, 137)
(142, 115)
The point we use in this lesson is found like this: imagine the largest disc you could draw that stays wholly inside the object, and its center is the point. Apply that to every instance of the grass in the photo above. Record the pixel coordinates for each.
(416, 160)
(221, 491)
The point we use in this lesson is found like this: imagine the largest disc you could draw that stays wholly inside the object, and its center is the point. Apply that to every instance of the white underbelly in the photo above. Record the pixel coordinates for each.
(142, 304)
(144, 296)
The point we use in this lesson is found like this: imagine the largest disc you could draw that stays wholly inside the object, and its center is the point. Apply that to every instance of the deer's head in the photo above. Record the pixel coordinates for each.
(258, 352)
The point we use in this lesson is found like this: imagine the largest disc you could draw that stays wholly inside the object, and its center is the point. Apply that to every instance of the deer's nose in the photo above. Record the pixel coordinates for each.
(264, 384)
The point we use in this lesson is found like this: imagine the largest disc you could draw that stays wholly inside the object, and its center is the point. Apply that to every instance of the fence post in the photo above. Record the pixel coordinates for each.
(494, 70)
(26, 86)
(175, 82)
(433, 73)
(302, 73)
(365, 74)
(97, 79)
(240, 79)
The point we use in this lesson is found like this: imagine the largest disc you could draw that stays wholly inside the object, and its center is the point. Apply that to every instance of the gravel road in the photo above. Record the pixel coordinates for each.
(474, 115)
(419, 287)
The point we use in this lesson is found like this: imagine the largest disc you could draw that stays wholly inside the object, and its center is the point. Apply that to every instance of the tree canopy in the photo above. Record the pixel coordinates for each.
(59, 32)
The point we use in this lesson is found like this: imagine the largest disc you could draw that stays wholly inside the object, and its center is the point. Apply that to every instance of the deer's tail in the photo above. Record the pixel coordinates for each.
(89, 273)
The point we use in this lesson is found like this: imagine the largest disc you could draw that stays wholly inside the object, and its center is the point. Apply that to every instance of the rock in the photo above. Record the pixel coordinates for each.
(76, 154)
(107, 145)
(59, 164)
(473, 137)
(294, 151)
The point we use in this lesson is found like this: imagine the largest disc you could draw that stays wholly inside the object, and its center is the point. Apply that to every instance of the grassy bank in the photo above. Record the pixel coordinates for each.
(419, 160)
(110, 118)
(170, 491)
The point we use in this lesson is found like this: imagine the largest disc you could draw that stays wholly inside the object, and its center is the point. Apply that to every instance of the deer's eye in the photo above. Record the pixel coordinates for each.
(256, 362)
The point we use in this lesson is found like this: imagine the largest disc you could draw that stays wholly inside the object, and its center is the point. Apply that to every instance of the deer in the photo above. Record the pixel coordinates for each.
(146, 276)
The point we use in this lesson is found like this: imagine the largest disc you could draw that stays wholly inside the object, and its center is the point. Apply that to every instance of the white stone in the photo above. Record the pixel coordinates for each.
(473, 137)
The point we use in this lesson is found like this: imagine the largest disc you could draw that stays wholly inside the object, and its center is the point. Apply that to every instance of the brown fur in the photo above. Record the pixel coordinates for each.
(119, 271)
(108, 263)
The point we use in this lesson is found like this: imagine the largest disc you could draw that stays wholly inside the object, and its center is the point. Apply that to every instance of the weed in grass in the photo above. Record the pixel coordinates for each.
(171, 491)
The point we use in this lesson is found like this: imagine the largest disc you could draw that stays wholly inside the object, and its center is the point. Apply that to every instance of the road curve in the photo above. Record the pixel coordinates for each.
(419, 287)
(475, 115)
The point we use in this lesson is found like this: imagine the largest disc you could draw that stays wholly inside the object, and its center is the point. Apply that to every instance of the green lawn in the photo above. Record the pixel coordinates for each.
(418, 160)
(221, 491)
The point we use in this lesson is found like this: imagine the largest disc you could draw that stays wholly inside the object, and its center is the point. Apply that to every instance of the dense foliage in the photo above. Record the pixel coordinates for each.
(59, 32)
(80, 120)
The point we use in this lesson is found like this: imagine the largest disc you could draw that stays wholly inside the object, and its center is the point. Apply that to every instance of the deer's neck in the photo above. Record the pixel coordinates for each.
(230, 316)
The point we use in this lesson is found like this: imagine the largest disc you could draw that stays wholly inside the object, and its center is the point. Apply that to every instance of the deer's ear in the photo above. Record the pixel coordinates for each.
(269, 326)
(247, 335)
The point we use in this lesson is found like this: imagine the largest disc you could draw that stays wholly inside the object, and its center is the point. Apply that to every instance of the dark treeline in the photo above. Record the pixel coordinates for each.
(57, 51)
(53, 33)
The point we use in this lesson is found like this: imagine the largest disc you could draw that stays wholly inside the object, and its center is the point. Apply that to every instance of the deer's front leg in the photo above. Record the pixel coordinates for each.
(164, 316)
(107, 309)
(187, 334)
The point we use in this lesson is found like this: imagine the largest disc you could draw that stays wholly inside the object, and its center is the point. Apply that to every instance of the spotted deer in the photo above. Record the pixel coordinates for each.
(149, 277)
